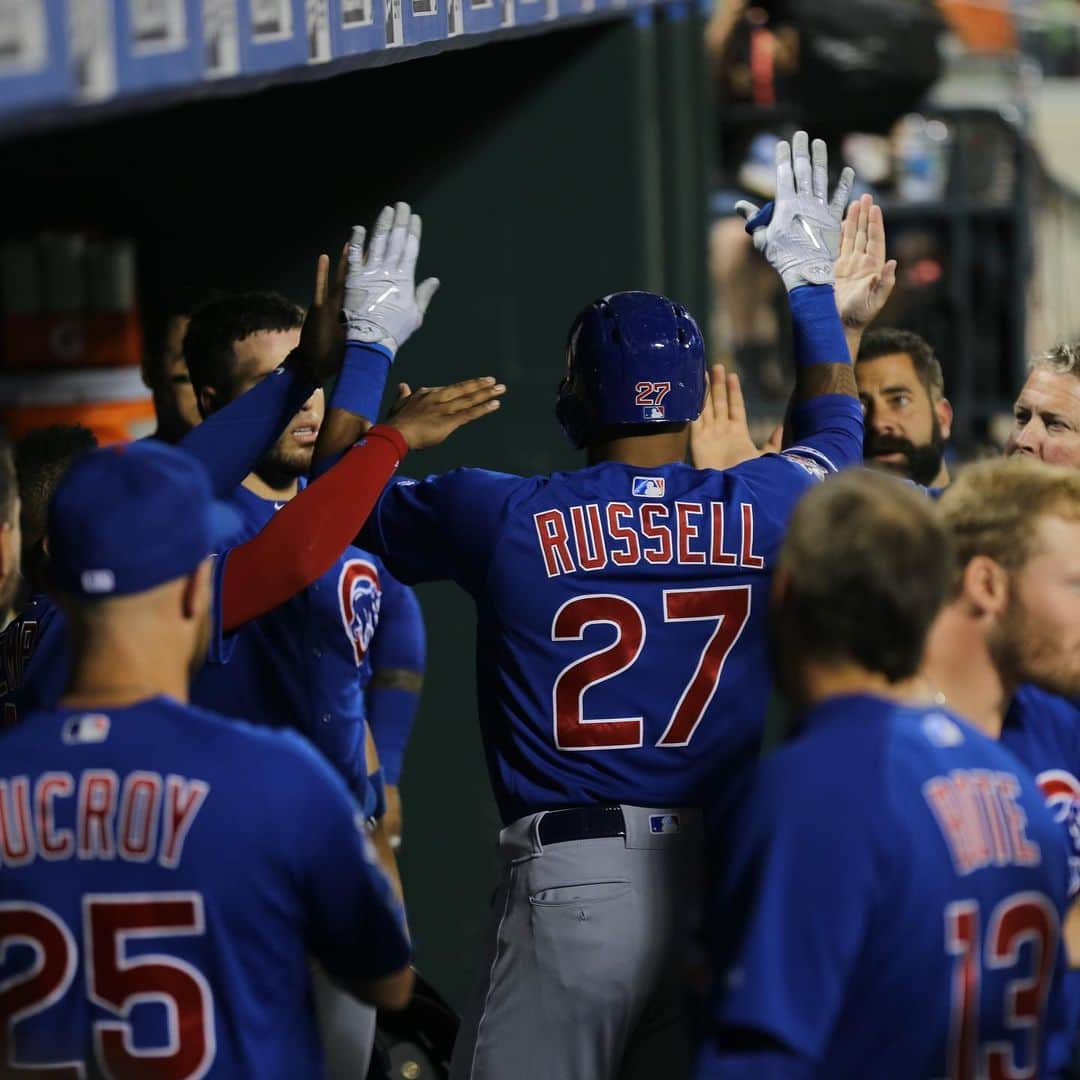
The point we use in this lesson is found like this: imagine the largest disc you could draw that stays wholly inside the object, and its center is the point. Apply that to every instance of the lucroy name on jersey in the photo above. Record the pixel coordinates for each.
(588, 537)
(142, 818)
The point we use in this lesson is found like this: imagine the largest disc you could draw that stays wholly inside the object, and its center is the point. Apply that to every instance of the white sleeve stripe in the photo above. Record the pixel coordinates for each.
(810, 450)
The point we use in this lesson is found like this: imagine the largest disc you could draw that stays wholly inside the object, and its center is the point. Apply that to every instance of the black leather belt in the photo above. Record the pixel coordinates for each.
(581, 823)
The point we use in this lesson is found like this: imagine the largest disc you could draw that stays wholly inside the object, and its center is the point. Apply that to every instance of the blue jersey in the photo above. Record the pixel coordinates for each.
(303, 665)
(621, 653)
(893, 881)
(166, 874)
(36, 660)
(1043, 731)
(35, 654)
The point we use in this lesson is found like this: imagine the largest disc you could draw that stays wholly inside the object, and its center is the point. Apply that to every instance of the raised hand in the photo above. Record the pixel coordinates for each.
(800, 232)
(864, 277)
(322, 338)
(775, 442)
(431, 414)
(720, 437)
(383, 304)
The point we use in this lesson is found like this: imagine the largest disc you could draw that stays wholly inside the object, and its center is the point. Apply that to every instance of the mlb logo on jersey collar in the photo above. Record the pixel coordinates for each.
(664, 823)
(941, 731)
(88, 728)
(649, 487)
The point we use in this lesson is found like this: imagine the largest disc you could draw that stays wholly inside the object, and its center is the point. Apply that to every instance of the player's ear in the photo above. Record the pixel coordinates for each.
(207, 397)
(196, 596)
(986, 586)
(945, 416)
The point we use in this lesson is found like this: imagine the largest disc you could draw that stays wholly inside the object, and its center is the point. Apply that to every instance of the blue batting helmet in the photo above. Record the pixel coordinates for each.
(631, 358)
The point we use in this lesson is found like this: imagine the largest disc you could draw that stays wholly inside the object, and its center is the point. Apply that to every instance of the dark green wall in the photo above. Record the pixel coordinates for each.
(548, 171)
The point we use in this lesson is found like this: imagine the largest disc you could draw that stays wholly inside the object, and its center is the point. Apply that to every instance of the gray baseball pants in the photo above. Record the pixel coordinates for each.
(347, 1028)
(584, 972)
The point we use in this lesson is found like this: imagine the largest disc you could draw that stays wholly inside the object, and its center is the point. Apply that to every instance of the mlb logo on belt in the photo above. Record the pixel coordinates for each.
(664, 823)
(649, 487)
(89, 728)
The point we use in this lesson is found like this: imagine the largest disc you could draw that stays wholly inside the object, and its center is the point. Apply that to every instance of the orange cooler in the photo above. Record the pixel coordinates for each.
(113, 403)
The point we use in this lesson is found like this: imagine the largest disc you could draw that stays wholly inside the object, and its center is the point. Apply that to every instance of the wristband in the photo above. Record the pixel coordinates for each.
(818, 331)
(360, 385)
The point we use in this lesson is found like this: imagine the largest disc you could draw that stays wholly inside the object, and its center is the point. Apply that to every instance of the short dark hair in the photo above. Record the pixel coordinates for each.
(41, 459)
(868, 562)
(218, 325)
(886, 341)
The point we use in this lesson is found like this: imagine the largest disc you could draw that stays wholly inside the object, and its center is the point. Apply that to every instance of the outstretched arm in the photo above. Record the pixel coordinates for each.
(864, 277)
(229, 442)
(800, 237)
(383, 307)
(720, 436)
(306, 536)
(304, 539)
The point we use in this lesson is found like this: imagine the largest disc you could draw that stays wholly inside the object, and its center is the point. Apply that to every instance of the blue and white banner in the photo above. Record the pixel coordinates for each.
(34, 66)
(55, 53)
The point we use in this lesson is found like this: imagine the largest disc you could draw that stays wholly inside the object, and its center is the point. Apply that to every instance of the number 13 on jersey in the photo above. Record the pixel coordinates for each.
(1022, 927)
(727, 608)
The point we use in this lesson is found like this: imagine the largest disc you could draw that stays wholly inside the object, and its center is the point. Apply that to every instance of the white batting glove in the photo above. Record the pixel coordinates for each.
(383, 304)
(801, 239)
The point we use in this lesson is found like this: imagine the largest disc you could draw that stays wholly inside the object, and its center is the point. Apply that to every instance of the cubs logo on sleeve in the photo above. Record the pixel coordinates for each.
(1060, 789)
(359, 597)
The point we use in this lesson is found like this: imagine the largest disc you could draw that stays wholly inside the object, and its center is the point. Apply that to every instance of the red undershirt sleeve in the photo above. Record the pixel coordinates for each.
(307, 536)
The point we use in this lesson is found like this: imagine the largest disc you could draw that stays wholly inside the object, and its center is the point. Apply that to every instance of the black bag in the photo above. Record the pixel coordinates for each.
(864, 63)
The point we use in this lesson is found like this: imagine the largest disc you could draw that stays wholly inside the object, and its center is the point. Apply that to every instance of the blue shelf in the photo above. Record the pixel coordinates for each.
(115, 56)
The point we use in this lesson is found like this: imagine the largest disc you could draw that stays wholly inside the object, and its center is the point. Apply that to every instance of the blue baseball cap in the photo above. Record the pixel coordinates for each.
(127, 518)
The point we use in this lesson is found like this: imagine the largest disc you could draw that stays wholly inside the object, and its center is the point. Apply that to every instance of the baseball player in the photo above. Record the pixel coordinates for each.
(891, 894)
(305, 664)
(621, 657)
(1046, 416)
(35, 648)
(720, 437)
(252, 577)
(41, 457)
(165, 373)
(167, 871)
(1004, 651)
(908, 417)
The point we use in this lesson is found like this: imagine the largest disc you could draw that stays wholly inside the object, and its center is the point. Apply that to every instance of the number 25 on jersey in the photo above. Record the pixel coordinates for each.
(114, 981)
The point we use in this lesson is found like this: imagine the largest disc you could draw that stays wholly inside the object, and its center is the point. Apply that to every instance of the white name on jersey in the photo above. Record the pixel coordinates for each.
(981, 819)
(590, 537)
(147, 817)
